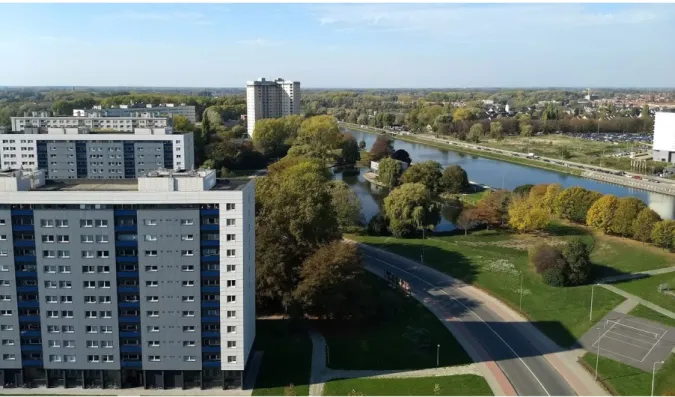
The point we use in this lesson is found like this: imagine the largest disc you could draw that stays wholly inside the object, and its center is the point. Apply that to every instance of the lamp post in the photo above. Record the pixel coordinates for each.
(590, 315)
(597, 356)
(438, 355)
(654, 374)
(521, 291)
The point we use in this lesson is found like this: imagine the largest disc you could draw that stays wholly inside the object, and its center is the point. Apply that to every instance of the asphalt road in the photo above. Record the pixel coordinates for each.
(529, 372)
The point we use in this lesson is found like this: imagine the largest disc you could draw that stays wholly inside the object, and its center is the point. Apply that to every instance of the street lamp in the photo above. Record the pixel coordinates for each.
(521, 291)
(590, 315)
(654, 374)
(438, 356)
(597, 356)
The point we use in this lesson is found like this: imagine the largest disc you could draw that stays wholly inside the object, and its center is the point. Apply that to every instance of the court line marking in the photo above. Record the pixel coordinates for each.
(472, 312)
(650, 350)
(607, 330)
(656, 335)
(650, 342)
(645, 324)
(626, 343)
(619, 354)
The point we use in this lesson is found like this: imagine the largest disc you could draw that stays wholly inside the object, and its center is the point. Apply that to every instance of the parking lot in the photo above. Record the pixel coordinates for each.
(631, 340)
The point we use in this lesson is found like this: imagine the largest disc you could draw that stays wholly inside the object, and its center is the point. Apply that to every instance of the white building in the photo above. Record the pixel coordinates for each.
(664, 137)
(270, 99)
(121, 124)
(148, 110)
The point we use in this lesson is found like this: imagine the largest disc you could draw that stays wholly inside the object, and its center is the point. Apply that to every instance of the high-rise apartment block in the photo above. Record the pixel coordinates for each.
(271, 99)
(75, 153)
(132, 283)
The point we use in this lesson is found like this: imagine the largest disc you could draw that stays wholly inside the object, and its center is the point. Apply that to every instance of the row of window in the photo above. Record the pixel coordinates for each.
(109, 358)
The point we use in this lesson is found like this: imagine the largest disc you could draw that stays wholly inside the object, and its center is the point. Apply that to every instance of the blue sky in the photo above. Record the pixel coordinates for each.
(339, 45)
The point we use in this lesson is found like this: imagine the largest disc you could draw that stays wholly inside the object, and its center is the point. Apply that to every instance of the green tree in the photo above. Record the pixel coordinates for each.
(645, 111)
(411, 208)
(362, 144)
(269, 137)
(627, 210)
(182, 124)
(350, 150)
(318, 137)
(663, 233)
(378, 225)
(601, 213)
(331, 282)
(574, 202)
(523, 190)
(496, 130)
(382, 147)
(476, 132)
(462, 114)
(526, 130)
(292, 125)
(550, 263)
(525, 216)
(346, 204)
(576, 254)
(389, 172)
(429, 173)
(644, 224)
(454, 179)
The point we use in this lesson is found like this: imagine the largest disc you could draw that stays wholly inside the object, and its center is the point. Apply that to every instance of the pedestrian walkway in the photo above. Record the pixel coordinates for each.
(641, 301)
(631, 276)
(626, 306)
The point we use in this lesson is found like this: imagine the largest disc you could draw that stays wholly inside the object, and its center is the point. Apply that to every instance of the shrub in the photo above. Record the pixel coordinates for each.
(578, 268)
(377, 226)
(550, 263)
(554, 277)
(523, 189)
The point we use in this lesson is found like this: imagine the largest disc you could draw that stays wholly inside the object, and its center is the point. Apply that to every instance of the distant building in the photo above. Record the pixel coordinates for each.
(664, 137)
(270, 99)
(148, 110)
(119, 124)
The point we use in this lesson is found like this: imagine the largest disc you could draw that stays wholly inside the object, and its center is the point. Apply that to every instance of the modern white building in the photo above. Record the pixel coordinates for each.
(121, 124)
(72, 153)
(126, 284)
(664, 137)
(166, 110)
(269, 99)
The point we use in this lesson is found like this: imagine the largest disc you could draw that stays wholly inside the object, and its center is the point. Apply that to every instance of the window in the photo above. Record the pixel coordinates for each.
(189, 343)
(101, 223)
(188, 299)
(63, 254)
(102, 254)
(152, 298)
(5, 313)
(231, 314)
(105, 313)
(231, 329)
(67, 313)
(64, 269)
(231, 283)
(54, 343)
(230, 253)
(51, 299)
(52, 314)
(90, 314)
(229, 207)
(188, 313)
(153, 328)
(231, 237)
(153, 343)
(53, 329)
(151, 222)
(189, 358)
(86, 223)
(48, 254)
(151, 283)
(88, 254)
(101, 238)
(65, 284)
(154, 358)
(103, 269)
(67, 299)
(231, 298)
(230, 222)
(106, 329)
(106, 344)
(49, 269)
(4, 268)
(89, 284)
(151, 253)
(92, 344)
(231, 344)
(6, 327)
(8, 342)
(188, 283)
(104, 299)
(68, 329)
(187, 237)
(87, 238)
(153, 313)
(150, 237)
(187, 268)
(69, 344)
(5, 283)
(51, 284)
(5, 298)
(188, 328)
(47, 238)
(9, 357)
(69, 358)
(89, 298)
(152, 268)
(93, 358)
(61, 223)
(54, 358)
(104, 284)
(91, 329)
(232, 359)
(187, 222)
(108, 358)
(64, 238)
(47, 223)
(186, 253)
(4, 253)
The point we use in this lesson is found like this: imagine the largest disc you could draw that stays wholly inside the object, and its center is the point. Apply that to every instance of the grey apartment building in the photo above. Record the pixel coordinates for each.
(74, 153)
(167, 110)
(145, 283)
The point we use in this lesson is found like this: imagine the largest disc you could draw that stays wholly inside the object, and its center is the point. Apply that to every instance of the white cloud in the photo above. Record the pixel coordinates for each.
(260, 42)
(173, 16)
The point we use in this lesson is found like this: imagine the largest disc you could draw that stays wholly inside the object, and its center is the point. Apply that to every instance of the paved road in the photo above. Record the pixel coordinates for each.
(529, 372)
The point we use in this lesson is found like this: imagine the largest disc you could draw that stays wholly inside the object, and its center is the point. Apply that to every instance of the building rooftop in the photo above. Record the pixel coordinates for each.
(130, 185)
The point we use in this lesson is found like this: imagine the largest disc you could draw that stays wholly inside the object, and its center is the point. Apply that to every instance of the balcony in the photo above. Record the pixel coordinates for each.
(210, 243)
(211, 288)
(22, 212)
(125, 289)
(126, 259)
(29, 319)
(126, 243)
(130, 364)
(130, 349)
(32, 363)
(27, 288)
(209, 212)
(28, 304)
(125, 228)
(210, 349)
(130, 305)
(24, 243)
(210, 227)
(26, 274)
(23, 228)
(210, 334)
(24, 258)
(125, 212)
(210, 258)
(29, 334)
(209, 364)
(127, 274)
(31, 348)
(210, 319)
(210, 273)
(129, 334)
(129, 319)
(211, 304)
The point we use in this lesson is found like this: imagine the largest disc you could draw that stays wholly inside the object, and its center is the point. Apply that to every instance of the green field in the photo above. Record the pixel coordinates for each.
(649, 314)
(406, 340)
(629, 256)
(494, 261)
(458, 385)
(624, 380)
(287, 357)
(647, 288)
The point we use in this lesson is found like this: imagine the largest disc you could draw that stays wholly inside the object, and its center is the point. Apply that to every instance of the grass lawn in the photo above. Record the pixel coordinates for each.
(406, 340)
(494, 260)
(626, 255)
(470, 198)
(458, 385)
(624, 380)
(649, 314)
(646, 288)
(287, 357)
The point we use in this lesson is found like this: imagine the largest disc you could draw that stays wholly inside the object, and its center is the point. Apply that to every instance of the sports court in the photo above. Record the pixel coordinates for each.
(631, 340)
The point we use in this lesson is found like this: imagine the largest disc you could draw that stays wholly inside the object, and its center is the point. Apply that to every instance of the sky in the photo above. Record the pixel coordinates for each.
(339, 45)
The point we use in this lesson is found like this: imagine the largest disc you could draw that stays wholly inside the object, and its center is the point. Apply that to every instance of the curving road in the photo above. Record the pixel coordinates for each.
(507, 343)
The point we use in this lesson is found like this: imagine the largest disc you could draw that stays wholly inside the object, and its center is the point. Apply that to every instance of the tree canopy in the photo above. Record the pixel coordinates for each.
(411, 208)
(428, 173)
(454, 179)
(601, 213)
(389, 172)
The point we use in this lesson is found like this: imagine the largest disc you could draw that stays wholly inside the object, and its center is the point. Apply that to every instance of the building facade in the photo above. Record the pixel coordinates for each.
(118, 124)
(270, 99)
(96, 156)
(127, 284)
(148, 111)
(664, 137)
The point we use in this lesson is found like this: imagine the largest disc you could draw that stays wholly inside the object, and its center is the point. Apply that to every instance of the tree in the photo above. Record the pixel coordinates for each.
(466, 220)
(382, 147)
(523, 190)
(645, 111)
(663, 233)
(378, 225)
(182, 124)
(331, 282)
(496, 130)
(526, 130)
(318, 137)
(627, 210)
(574, 202)
(525, 216)
(644, 224)
(493, 208)
(269, 137)
(346, 204)
(462, 114)
(292, 125)
(576, 255)
(411, 208)
(545, 257)
(401, 155)
(551, 196)
(428, 173)
(601, 213)
(350, 150)
(476, 132)
(362, 144)
(537, 194)
(454, 179)
(389, 172)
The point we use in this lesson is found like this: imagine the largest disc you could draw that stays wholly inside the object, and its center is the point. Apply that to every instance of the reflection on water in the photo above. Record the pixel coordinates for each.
(498, 174)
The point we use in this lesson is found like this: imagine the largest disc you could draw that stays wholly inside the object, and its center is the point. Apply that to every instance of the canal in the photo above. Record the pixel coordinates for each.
(495, 173)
